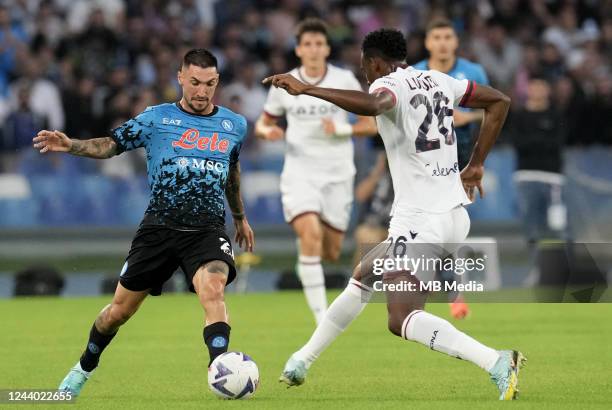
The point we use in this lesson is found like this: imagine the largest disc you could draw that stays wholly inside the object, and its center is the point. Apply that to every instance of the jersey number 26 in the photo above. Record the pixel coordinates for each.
(441, 110)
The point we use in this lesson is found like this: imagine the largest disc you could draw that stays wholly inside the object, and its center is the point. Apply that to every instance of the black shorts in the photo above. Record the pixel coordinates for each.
(158, 251)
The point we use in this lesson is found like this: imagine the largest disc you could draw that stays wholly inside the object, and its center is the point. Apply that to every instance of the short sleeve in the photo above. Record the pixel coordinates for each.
(462, 89)
(387, 85)
(274, 103)
(235, 154)
(242, 131)
(134, 133)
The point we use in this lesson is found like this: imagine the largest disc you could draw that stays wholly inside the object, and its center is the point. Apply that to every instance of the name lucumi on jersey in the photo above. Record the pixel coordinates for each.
(425, 83)
(419, 82)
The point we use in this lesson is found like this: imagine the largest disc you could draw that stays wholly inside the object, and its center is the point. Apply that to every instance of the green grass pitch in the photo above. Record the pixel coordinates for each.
(158, 359)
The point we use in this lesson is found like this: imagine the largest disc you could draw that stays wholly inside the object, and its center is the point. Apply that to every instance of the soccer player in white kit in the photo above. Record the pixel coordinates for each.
(414, 114)
(318, 173)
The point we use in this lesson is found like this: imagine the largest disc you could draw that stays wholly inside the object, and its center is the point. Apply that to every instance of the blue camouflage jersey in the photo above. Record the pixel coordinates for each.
(463, 69)
(188, 161)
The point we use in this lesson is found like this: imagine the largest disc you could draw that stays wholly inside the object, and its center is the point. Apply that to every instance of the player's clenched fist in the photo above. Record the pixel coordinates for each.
(52, 141)
(287, 82)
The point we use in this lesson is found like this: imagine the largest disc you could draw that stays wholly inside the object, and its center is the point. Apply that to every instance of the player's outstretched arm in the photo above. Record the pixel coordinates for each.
(244, 234)
(357, 102)
(56, 141)
(495, 105)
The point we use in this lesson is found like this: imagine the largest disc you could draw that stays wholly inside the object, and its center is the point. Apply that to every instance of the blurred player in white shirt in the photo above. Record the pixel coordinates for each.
(414, 114)
(318, 174)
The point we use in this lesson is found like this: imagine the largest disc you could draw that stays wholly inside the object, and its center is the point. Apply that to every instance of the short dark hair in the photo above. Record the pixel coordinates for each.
(311, 25)
(538, 77)
(200, 57)
(388, 44)
(440, 22)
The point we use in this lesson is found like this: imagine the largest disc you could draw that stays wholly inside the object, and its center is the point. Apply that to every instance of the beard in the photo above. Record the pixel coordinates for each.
(195, 108)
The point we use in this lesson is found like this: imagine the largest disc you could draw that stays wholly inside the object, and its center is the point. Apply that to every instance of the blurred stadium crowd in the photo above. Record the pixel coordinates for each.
(85, 66)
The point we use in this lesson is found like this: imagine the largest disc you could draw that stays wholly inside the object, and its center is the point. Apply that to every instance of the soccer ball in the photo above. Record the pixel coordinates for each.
(233, 375)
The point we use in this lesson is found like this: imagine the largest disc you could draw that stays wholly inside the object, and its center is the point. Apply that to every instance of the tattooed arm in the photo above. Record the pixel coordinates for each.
(232, 191)
(57, 141)
(101, 148)
(244, 233)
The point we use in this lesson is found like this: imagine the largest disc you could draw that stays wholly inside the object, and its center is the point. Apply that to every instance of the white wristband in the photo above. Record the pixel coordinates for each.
(343, 129)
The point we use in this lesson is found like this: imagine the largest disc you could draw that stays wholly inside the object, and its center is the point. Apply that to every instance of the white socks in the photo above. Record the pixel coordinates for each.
(438, 334)
(310, 272)
(419, 326)
(347, 306)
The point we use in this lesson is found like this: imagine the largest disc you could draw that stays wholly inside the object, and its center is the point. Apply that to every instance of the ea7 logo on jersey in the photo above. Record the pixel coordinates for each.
(171, 121)
(226, 247)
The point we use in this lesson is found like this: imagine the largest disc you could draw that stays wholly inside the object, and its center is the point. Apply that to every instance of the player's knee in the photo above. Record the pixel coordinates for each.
(213, 290)
(311, 236)
(332, 253)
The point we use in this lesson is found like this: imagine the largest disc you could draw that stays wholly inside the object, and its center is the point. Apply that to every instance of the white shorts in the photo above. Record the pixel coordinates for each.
(333, 201)
(445, 229)
(421, 235)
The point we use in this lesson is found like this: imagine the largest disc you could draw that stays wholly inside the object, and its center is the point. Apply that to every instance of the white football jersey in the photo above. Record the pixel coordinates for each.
(420, 139)
(309, 151)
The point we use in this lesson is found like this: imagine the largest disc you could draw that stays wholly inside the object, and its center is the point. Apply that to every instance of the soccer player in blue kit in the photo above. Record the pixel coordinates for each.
(192, 160)
(441, 41)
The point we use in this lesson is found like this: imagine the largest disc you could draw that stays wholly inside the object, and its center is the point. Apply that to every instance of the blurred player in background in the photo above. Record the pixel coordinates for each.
(413, 110)
(441, 41)
(192, 160)
(318, 174)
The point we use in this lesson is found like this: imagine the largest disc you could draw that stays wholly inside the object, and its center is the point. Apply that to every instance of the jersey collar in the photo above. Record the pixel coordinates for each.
(213, 112)
(309, 83)
(449, 71)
